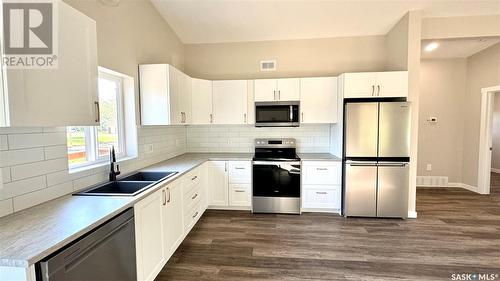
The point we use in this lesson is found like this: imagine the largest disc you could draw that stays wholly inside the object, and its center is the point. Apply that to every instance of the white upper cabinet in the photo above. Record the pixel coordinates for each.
(201, 97)
(57, 97)
(318, 100)
(230, 102)
(375, 84)
(285, 89)
(165, 95)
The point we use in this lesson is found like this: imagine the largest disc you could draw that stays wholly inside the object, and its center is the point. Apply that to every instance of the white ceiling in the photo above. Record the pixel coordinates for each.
(457, 48)
(214, 21)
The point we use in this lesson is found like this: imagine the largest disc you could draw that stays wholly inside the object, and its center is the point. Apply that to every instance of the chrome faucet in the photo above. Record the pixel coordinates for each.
(112, 160)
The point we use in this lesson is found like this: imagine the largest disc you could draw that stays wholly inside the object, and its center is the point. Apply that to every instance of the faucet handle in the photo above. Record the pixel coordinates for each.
(117, 169)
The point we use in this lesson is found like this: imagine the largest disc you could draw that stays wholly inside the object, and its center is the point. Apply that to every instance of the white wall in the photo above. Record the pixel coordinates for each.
(495, 157)
(240, 138)
(34, 163)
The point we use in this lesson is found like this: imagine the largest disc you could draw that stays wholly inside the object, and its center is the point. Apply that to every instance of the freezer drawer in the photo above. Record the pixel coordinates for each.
(394, 129)
(392, 190)
(361, 189)
(361, 129)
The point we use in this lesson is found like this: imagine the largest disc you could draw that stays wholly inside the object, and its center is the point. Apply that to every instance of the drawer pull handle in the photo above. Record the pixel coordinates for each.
(239, 190)
(322, 169)
(239, 168)
(196, 195)
(193, 178)
(195, 214)
(321, 192)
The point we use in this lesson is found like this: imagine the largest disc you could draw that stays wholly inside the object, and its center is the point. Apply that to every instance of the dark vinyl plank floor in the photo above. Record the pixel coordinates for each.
(457, 231)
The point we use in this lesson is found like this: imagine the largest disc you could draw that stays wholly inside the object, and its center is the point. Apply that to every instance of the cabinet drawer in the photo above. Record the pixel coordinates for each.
(191, 179)
(240, 195)
(321, 197)
(191, 198)
(240, 171)
(191, 217)
(322, 173)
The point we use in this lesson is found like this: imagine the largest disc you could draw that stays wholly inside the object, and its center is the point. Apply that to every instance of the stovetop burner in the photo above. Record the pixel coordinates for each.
(275, 150)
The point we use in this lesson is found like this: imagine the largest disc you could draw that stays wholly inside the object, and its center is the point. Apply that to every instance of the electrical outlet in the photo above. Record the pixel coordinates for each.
(429, 167)
(148, 148)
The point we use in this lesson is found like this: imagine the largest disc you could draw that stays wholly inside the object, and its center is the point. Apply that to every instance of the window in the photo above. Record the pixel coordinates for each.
(92, 144)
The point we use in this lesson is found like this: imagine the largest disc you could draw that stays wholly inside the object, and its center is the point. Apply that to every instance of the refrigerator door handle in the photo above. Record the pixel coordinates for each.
(361, 164)
(392, 164)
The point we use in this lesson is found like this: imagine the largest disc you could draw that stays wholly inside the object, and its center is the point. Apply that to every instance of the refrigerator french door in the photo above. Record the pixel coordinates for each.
(376, 149)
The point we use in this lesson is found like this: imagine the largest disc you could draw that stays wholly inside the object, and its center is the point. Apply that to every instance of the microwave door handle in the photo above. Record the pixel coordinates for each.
(291, 113)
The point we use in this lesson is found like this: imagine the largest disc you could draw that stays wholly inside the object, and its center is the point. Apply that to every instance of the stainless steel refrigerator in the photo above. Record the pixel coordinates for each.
(376, 158)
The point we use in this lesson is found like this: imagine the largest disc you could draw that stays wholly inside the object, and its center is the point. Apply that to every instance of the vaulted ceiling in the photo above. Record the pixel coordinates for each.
(214, 21)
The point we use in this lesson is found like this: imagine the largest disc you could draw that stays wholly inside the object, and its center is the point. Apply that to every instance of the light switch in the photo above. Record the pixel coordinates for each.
(429, 167)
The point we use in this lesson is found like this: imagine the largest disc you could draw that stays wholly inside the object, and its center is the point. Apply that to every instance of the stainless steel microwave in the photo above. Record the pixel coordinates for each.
(277, 114)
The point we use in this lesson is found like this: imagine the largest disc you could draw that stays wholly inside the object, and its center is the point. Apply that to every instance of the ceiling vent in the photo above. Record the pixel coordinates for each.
(268, 65)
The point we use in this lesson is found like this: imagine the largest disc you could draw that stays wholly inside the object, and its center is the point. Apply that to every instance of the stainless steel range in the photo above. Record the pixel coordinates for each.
(276, 177)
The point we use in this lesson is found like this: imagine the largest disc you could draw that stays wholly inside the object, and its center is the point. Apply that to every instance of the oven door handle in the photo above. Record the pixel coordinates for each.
(275, 163)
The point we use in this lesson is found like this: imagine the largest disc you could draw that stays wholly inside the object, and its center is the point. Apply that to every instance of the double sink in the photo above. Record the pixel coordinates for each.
(130, 185)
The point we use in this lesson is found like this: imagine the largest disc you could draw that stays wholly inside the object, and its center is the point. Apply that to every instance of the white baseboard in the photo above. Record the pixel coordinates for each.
(496, 171)
(412, 214)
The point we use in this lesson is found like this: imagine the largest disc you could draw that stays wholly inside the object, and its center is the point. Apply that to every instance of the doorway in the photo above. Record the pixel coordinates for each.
(486, 138)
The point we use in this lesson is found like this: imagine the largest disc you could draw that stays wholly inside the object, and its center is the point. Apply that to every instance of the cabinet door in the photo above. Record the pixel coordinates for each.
(265, 90)
(154, 91)
(66, 95)
(392, 84)
(175, 91)
(173, 225)
(360, 85)
(318, 100)
(289, 89)
(239, 195)
(218, 186)
(149, 235)
(185, 99)
(230, 102)
(201, 98)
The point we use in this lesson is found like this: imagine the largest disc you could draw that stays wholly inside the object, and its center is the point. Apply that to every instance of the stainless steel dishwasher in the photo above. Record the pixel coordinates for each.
(106, 253)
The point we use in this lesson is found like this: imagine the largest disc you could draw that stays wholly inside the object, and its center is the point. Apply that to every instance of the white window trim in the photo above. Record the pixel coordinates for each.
(93, 145)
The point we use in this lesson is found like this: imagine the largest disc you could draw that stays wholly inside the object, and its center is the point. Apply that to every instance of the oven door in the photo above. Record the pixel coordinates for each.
(276, 179)
(276, 114)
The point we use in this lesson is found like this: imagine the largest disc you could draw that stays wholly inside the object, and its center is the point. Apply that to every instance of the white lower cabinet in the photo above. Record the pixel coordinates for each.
(321, 186)
(230, 184)
(172, 218)
(150, 235)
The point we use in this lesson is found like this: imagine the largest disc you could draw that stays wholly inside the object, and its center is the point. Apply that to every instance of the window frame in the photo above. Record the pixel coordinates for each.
(91, 132)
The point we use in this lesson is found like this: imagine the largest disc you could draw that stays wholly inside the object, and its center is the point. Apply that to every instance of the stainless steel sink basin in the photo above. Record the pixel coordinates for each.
(148, 176)
(119, 188)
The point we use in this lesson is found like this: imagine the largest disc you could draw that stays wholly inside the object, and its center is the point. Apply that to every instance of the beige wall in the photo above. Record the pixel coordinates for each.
(131, 34)
(483, 70)
(312, 57)
(495, 157)
(461, 27)
(442, 93)
(397, 45)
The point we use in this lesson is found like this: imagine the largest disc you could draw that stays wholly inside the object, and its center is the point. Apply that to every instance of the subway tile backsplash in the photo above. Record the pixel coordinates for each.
(240, 138)
(34, 165)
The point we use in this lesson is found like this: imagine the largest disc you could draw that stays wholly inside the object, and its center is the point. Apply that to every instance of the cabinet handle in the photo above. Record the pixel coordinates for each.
(244, 118)
(274, 94)
(193, 178)
(163, 197)
(239, 168)
(211, 118)
(98, 112)
(302, 114)
(168, 201)
(238, 190)
(321, 192)
(279, 95)
(195, 214)
(373, 90)
(322, 169)
(225, 167)
(194, 197)
(378, 90)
